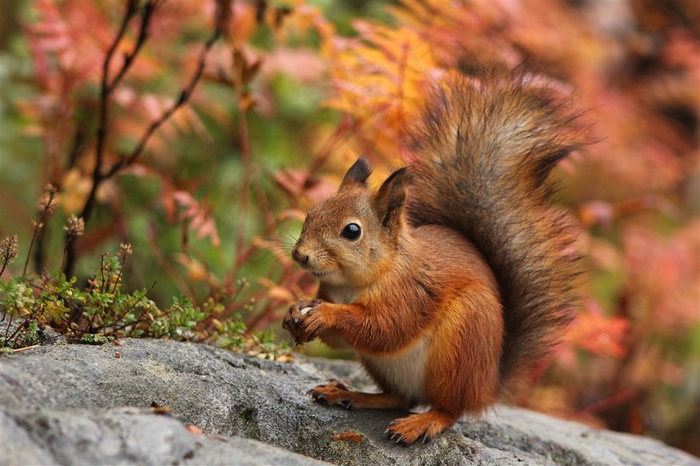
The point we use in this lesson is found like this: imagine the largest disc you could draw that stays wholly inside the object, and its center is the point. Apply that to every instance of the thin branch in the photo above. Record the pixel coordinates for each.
(148, 10)
(25, 348)
(38, 240)
(98, 176)
(103, 289)
(17, 330)
(47, 208)
(119, 275)
(185, 96)
(65, 254)
(106, 90)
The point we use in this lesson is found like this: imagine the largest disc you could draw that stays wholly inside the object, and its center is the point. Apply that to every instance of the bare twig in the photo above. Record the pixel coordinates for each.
(47, 208)
(149, 8)
(119, 275)
(39, 249)
(185, 95)
(25, 348)
(102, 273)
(17, 329)
(99, 176)
(106, 90)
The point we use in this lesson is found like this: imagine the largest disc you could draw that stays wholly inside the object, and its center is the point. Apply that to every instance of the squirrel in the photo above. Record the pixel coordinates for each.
(455, 277)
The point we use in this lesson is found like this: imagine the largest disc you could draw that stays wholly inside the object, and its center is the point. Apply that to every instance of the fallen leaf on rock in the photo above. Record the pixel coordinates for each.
(194, 429)
(157, 409)
(352, 436)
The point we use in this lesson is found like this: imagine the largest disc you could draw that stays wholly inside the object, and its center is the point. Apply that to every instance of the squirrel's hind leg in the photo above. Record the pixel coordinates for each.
(338, 394)
(407, 430)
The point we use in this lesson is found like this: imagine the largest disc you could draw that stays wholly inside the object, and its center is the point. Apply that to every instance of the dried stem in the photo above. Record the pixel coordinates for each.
(119, 275)
(31, 245)
(185, 95)
(14, 334)
(149, 8)
(25, 348)
(69, 240)
(46, 210)
(106, 90)
(102, 273)
(99, 176)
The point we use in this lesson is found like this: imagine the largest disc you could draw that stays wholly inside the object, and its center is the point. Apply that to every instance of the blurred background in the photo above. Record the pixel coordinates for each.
(220, 122)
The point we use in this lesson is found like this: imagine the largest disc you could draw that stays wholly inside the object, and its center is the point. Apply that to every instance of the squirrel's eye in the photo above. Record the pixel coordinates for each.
(351, 231)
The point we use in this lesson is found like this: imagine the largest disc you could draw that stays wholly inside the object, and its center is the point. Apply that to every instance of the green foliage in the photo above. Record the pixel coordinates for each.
(94, 339)
(101, 312)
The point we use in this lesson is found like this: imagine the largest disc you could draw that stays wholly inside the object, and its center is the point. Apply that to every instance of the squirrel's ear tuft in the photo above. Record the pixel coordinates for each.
(390, 199)
(357, 174)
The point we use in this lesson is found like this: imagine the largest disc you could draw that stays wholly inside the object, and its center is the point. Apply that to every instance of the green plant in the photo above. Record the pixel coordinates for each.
(101, 311)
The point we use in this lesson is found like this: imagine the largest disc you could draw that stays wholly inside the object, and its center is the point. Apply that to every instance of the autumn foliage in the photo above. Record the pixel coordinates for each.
(199, 132)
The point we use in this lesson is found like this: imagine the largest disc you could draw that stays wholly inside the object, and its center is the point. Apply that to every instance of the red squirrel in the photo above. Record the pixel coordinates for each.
(455, 278)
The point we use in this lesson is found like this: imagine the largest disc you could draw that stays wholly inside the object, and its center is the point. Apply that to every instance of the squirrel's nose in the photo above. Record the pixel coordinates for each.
(299, 256)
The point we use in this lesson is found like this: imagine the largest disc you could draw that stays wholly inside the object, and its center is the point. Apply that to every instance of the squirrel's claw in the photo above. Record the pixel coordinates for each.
(400, 439)
(423, 426)
(333, 394)
(298, 321)
(347, 404)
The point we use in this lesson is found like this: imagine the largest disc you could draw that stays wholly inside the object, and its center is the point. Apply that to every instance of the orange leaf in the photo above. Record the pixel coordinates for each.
(351, 436)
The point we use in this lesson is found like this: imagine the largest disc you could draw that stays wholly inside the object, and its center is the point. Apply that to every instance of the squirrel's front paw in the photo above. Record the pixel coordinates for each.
(303, 320)
(333, 394)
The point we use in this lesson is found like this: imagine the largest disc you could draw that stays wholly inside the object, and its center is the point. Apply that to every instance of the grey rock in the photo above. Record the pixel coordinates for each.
(124, 436)
(66, 405)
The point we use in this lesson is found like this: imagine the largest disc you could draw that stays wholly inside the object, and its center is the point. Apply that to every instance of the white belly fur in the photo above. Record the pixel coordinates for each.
(404, 371)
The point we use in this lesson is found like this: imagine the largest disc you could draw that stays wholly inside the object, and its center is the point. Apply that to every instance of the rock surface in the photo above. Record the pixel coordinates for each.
(80, 404)
(124, 436)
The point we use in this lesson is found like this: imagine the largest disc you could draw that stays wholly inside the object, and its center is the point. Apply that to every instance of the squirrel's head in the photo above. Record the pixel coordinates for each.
(350, 238)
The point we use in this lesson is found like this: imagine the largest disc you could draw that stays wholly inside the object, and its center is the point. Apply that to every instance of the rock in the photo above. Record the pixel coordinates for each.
(124, 436)
(81, 404)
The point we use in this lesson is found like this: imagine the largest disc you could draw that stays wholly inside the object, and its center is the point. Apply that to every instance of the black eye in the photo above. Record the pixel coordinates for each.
(351, 231)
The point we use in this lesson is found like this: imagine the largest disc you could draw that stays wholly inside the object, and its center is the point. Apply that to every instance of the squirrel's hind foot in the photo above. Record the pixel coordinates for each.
(407, 430)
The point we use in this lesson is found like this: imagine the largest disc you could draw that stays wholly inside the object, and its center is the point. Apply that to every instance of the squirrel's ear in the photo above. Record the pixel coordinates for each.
(357, 174)
(391, 198)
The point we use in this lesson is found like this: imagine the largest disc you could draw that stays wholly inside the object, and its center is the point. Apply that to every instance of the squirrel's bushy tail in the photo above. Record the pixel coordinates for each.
(483, 151)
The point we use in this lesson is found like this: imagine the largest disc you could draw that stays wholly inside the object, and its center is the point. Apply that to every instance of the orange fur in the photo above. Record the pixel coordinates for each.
(448, 281)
